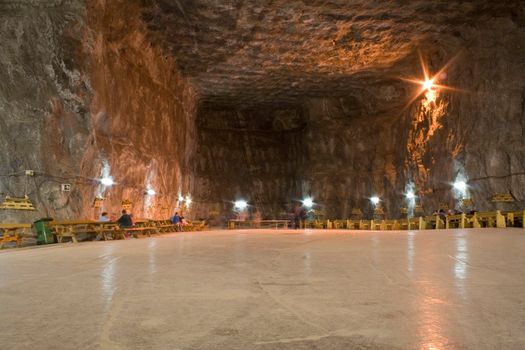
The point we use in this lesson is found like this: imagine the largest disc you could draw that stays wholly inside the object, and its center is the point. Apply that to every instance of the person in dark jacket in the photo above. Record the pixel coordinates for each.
(125, 220)
(176, 220)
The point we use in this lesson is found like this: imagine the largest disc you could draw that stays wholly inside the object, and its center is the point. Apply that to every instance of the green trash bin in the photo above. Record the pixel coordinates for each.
(44, 234)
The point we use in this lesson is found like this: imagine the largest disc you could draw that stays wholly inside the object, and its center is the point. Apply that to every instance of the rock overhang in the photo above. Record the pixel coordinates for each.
(252, 53)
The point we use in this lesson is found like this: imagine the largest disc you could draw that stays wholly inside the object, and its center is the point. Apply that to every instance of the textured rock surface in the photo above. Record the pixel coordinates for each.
(82, 90)
(265, 100)
(254, 155)
(362, 136)
(253, 51)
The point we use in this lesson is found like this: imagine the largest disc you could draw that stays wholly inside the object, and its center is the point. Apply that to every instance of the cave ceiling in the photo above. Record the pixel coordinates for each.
(268, 52)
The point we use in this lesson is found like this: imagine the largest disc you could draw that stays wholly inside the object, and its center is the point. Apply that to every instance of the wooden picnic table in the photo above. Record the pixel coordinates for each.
(257, 224)
(145, 226)
(73, 228)
(13, 233)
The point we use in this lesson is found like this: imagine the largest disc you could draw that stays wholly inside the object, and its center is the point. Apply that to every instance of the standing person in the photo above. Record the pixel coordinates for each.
(297, 216)
(256, 218)
(176, 220)
(303, 216)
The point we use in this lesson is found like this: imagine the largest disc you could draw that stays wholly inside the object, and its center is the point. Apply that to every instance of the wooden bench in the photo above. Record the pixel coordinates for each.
(142, 226)
(516, 219)
(13, 233)
(94, 229)
(375, 225)
(352, 224)
(110, 229)
(417, 223)
(339, 224)
(457, 221)
(432, 222)
(488, 219)
(409, 224)
(365, 225)
(319, 224)
(71, 229)
(165, 226)
(203, 224)
(232, 224)
(390, 225)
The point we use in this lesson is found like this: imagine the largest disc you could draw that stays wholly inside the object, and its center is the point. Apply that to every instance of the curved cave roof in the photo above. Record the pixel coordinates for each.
(252, 52)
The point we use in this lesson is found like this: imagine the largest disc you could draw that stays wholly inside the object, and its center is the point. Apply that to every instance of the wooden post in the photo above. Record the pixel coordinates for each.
(475, 221)
(396, 225)
(510, 219)
(500, 220)
(439, 222)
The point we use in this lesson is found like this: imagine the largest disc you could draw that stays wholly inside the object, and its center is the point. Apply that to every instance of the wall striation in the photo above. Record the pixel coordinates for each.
(85, 94)
(253, 155)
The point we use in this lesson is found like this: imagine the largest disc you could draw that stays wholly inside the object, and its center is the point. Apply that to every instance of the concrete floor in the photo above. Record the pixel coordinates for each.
(454, 289)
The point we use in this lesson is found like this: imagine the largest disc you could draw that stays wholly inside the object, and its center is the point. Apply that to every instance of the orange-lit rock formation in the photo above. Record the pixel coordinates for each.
(268, 101)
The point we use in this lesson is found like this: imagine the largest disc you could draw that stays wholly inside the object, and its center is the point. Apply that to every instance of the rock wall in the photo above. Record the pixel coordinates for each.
(253, 155)
(220, 102)
(85, 94)
(368, 144)
(351, 157)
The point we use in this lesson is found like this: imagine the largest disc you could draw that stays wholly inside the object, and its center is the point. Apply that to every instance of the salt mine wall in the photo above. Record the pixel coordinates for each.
(367, 144)
(251, 155)
(85, 95)
(218, 103)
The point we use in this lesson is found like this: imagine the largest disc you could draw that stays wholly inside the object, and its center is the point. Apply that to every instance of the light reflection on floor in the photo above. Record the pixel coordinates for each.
(427, 290)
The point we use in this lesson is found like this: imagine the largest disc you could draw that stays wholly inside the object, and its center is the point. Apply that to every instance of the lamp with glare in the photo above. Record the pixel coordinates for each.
(188, 200)
(240, 204)
(428, 84)
(410, 195)
(308, 202)
(460, 186)
(181, 198)
(375, 200)
(107, 181)
(151, 192)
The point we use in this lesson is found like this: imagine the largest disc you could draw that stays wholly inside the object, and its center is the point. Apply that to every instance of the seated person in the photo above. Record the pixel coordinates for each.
(176, 220)
(104, 217)
(184, 222)
(125, 220)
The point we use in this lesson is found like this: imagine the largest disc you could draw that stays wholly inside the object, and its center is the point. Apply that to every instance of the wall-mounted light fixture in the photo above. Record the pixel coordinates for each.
(151, 192)
(240, 204)
(107, 181)
(308, 202)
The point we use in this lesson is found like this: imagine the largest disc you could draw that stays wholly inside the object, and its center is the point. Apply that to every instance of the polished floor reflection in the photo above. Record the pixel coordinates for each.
(257, 289)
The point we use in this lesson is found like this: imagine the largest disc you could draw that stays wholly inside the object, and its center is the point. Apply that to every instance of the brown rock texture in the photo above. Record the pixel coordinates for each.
(268, 101)
(252, 155)
(84, 90)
